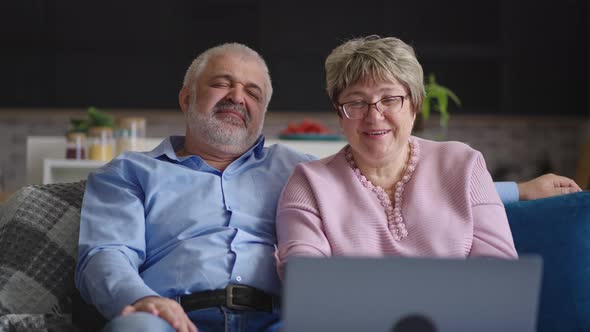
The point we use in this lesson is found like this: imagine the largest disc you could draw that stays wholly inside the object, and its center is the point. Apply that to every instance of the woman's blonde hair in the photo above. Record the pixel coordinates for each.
(378, 59)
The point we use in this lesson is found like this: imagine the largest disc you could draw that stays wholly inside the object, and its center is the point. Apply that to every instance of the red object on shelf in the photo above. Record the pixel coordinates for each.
(305, 127)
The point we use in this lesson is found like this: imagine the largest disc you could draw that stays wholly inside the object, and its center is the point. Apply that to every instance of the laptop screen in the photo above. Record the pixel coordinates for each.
(411, 294)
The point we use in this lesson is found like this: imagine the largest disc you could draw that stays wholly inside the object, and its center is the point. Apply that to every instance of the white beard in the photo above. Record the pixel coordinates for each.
(227, 135)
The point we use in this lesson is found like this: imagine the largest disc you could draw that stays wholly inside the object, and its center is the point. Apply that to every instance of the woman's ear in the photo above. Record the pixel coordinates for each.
(184, 98)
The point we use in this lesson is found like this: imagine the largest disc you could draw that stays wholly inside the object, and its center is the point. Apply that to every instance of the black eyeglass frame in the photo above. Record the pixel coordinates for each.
(342, 107)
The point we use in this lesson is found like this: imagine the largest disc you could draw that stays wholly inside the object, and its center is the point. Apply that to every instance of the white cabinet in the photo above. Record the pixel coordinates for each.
(46, 163)
(68, 170)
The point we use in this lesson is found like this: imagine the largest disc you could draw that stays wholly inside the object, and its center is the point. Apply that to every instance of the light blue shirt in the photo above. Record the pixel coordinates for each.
(183, 225)
(508, 191)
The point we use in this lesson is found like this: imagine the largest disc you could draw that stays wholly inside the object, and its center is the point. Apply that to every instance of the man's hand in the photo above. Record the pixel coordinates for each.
(167, 309)
(545, 186)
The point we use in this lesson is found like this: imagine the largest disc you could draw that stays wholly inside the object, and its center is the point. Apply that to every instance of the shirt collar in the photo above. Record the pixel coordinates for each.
(168, 148)
(170, 145)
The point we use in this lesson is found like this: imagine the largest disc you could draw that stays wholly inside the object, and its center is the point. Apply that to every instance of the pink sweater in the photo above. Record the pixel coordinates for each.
(449, 206)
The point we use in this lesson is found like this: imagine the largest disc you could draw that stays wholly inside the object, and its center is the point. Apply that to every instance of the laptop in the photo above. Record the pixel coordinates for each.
(411, 294)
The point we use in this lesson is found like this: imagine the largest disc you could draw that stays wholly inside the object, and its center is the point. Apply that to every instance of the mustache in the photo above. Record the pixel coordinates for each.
(227, 105)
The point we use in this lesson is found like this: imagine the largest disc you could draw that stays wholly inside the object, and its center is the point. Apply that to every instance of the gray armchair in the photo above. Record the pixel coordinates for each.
(39, 228)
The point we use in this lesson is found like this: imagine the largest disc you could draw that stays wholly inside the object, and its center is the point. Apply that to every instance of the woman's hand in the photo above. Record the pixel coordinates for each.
(167, 309)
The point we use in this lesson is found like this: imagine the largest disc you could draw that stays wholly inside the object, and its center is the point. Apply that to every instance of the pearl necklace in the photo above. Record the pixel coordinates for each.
(395, 220)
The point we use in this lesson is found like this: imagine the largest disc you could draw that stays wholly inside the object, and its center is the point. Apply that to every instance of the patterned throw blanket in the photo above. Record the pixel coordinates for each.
(39, 228)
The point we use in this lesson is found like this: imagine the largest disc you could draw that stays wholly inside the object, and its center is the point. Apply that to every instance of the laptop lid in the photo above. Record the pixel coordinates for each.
(411, 294)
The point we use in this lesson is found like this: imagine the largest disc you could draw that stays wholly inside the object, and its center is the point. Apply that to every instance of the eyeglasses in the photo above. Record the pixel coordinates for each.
(358, 109)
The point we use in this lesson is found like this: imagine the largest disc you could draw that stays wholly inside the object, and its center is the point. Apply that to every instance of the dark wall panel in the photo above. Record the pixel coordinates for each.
(506, 57)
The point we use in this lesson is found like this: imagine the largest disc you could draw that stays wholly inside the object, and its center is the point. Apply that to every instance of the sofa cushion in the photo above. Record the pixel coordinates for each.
(35, 322)
(558, 228)
(39, 228)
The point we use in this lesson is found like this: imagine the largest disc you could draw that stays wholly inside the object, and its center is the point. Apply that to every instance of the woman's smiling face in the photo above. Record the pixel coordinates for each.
(379, 137)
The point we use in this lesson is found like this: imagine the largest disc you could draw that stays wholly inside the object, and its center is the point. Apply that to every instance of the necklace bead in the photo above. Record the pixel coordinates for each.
(395, 220)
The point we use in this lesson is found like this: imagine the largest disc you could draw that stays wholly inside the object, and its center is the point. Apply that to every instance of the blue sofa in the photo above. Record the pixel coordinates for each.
(39, 228)
(558, 229)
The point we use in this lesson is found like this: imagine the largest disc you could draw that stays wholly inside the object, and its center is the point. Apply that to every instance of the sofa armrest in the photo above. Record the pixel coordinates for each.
(558, 229)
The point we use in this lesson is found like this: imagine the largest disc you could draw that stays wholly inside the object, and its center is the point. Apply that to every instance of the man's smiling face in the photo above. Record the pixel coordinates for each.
(227, 106)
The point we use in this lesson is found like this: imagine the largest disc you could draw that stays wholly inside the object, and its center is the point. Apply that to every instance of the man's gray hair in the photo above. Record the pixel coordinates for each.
(375, 58)
(197, 66)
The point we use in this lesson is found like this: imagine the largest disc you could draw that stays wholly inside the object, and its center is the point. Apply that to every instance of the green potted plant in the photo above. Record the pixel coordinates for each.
(78, 126)
(437, 99)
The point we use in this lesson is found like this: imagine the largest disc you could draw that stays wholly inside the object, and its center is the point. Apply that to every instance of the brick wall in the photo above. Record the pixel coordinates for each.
(515, 148)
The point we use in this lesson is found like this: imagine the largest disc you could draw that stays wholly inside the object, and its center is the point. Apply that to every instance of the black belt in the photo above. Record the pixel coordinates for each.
(237, 297)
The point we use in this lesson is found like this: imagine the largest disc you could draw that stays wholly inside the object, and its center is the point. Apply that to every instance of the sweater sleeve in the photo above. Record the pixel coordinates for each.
(491, 232)
(299, 224)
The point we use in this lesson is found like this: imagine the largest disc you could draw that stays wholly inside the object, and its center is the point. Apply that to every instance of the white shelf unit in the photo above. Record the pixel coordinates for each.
(68, 170)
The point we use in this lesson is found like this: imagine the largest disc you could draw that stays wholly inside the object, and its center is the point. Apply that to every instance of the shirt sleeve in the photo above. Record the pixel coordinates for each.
(112, 241)
(491, 232)
(299, 224)
(508, 191)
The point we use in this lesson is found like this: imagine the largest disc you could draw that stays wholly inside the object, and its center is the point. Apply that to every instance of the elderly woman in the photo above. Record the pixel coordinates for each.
(387, 192)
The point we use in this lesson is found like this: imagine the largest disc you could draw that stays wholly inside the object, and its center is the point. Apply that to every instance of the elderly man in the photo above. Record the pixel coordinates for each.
(186, 232)
(184, 235)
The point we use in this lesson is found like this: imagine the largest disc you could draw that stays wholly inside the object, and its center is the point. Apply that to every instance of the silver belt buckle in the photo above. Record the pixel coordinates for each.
(230, 298)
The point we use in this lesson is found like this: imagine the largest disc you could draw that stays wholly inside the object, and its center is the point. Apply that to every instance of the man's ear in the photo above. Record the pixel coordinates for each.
(184, 98)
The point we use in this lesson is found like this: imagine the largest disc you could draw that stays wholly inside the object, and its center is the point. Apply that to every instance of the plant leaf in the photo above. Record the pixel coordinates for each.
(426, 108)
(97, 118)
(454, 97)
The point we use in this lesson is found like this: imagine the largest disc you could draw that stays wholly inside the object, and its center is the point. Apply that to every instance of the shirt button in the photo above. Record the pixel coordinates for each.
(239, 278)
